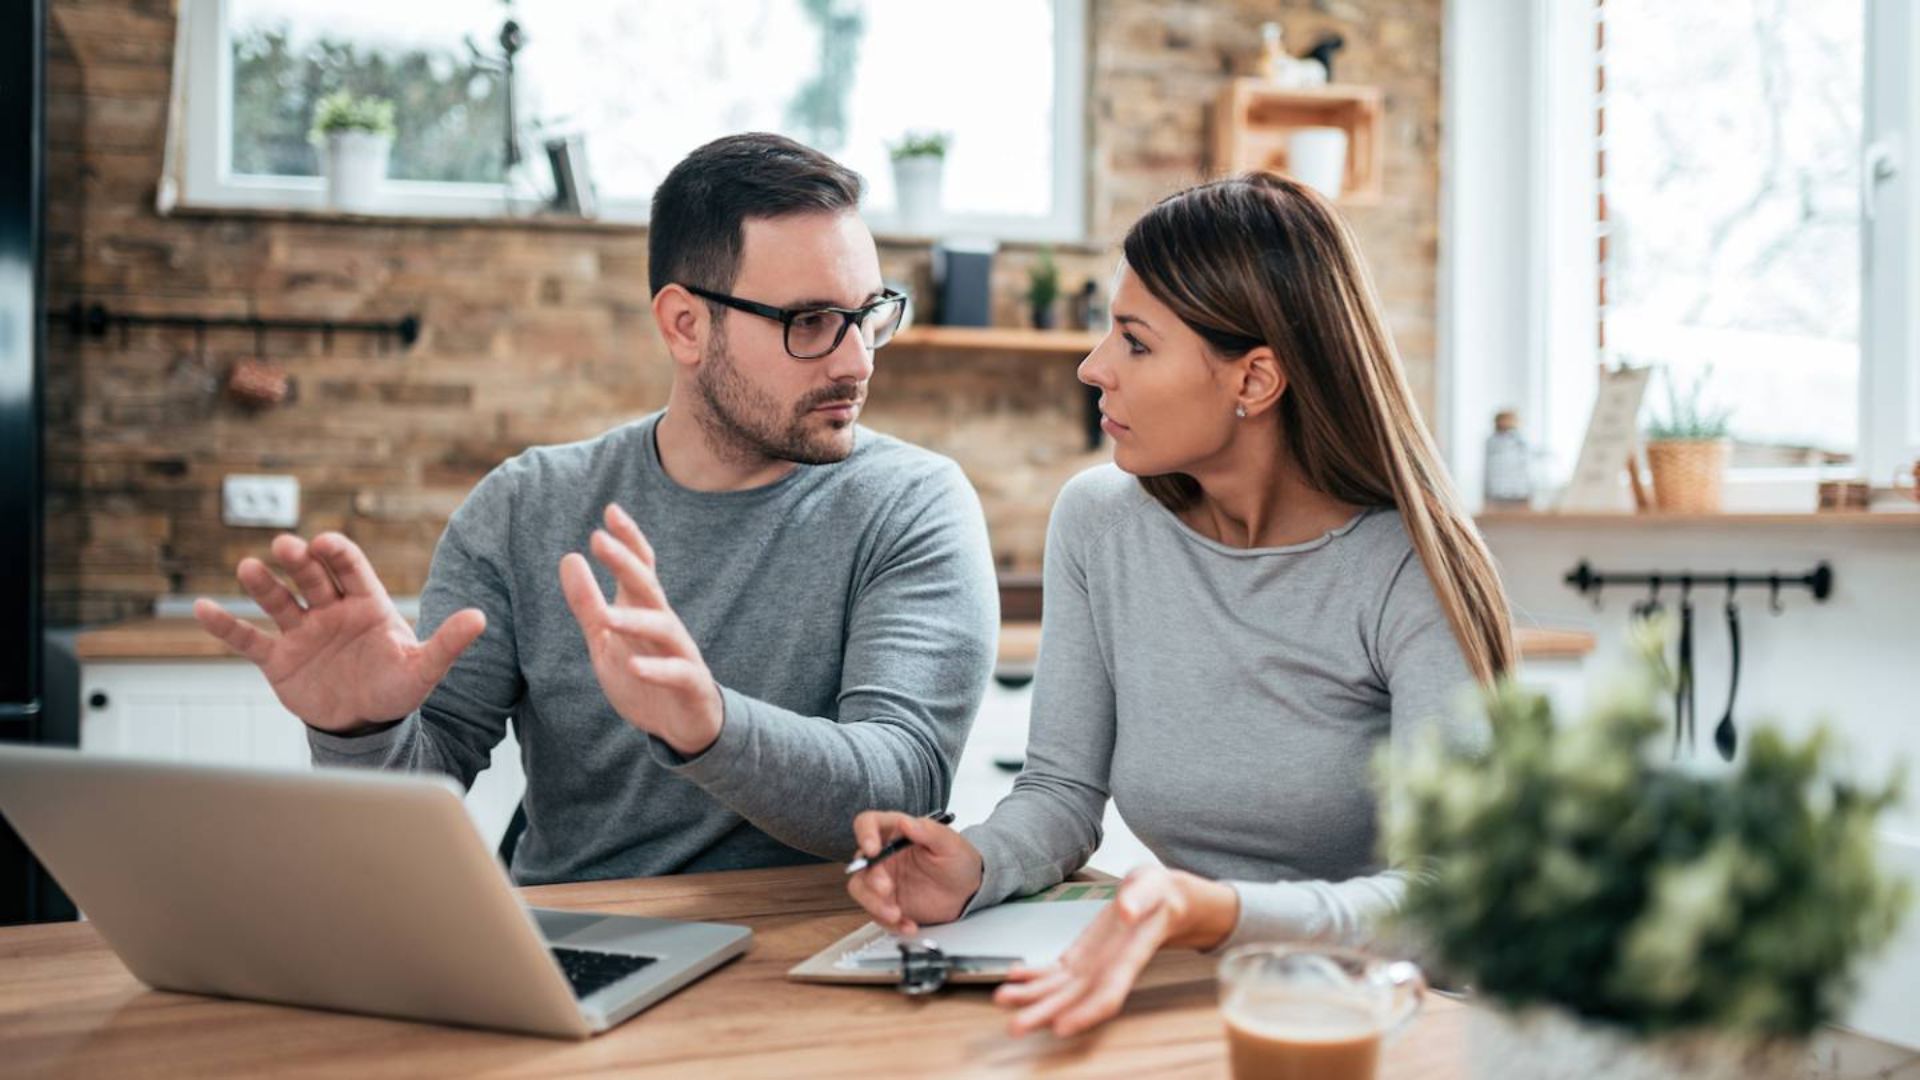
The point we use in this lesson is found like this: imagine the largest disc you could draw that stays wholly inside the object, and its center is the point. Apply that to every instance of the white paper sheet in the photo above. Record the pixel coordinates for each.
(1037, 933)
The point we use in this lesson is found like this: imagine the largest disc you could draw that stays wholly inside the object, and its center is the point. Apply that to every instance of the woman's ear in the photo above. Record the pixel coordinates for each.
(1261, 381)
(684, 322)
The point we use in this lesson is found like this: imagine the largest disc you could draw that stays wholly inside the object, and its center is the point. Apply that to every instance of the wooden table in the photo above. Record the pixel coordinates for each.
(68, 1008)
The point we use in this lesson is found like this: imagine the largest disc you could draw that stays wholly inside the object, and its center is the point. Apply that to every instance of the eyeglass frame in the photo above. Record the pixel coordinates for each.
(786, 316)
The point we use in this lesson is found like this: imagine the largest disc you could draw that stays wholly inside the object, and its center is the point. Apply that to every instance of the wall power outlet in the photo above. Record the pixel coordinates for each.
(271, 502)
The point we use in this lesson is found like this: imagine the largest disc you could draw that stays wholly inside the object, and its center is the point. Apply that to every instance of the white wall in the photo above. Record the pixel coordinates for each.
(1853, 660)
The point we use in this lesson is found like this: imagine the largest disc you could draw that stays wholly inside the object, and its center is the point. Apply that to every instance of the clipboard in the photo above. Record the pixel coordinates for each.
(1034, 929)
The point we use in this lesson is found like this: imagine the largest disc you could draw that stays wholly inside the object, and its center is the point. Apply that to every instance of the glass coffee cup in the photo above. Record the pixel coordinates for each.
(1300, 1011)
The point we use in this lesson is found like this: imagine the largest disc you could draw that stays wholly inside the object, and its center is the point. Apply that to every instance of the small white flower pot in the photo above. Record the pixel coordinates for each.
(356, 169)
(1317, 157)
(916, 185)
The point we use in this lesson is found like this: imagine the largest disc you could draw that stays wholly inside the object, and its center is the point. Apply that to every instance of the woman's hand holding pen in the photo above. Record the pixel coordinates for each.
(927, 883)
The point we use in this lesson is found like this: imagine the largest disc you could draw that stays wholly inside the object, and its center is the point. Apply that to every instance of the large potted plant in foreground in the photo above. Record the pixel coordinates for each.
(1687, 449)
(355, 136)
(1618, 916)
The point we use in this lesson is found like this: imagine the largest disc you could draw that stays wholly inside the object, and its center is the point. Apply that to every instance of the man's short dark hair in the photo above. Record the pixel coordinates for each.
(695, 236)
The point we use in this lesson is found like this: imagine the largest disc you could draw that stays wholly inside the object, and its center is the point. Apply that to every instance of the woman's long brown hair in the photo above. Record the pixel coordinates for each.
(1264, 260)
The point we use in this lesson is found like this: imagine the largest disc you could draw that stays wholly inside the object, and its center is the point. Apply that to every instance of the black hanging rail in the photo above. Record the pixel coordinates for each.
(1818, 581)
(94, 320)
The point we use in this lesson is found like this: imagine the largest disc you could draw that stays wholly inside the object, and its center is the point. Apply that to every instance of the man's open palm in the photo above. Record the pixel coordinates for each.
(345, 658)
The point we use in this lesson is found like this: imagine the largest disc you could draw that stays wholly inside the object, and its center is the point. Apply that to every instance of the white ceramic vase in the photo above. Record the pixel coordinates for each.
(356, 168)
(1317, 157)
(916, 185)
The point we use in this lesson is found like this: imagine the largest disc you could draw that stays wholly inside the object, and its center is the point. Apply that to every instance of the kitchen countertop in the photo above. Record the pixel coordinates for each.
(175, 638)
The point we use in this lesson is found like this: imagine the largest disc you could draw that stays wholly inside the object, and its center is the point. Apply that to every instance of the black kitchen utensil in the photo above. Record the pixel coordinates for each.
(1725, 738)
(1683, 702)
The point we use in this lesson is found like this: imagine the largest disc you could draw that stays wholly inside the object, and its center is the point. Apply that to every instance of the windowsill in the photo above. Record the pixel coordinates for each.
(550, 222)
(1889, 518)
(342, 217)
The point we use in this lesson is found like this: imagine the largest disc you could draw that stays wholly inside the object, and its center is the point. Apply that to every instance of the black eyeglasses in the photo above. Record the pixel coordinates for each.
(811, 333)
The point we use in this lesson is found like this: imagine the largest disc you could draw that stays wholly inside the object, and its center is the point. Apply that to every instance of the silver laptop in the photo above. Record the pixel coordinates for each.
(359, 891)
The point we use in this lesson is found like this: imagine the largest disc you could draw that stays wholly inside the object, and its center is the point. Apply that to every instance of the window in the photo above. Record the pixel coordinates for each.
(1686, 185)
(1729, 215)
(646, 81)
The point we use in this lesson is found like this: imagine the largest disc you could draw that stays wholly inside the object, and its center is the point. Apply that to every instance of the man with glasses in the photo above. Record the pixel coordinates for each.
(786, 618)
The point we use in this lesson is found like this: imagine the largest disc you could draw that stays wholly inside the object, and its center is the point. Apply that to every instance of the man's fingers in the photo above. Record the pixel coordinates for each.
(638, 585)
(294, 557)
(271, 594)
(668, 672)
(460, 630)
(242, 637)
(659, 630)
(582, 592)
(348, 564)
(622, 525)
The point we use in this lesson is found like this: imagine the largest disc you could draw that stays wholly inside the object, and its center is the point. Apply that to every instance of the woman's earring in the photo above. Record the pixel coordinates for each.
(1240, 411)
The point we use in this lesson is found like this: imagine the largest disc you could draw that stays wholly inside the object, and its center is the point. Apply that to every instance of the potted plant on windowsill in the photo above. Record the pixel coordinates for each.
(1618, 916)
(355, 136)
(919, 162)
(1687, 450)
(1043, 290)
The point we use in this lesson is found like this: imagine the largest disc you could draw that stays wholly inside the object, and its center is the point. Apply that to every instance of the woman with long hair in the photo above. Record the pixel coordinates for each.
(1273, 577)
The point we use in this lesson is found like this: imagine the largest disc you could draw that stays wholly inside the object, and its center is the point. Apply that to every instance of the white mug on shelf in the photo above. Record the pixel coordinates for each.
(1317, 157)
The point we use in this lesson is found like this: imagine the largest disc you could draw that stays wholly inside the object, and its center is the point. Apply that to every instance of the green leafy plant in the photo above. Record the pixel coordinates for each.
(1566, 867)
(915, 144)
(1688, 416)
(1043, 280)
(342, 111)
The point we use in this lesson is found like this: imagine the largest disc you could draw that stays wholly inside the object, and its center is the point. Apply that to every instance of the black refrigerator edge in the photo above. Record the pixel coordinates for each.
(27, 894)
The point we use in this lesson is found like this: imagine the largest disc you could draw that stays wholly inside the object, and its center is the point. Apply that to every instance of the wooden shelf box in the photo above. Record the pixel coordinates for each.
(1253, 118)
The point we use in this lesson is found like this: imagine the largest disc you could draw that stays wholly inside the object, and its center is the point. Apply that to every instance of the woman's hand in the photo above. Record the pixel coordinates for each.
(929, 882)
(1155, 908)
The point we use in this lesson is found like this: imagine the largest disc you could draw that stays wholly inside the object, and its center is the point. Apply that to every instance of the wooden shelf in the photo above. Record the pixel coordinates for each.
(1020, 644)
(1005, 339)
(1838, 519)
(1014, 340)
(1253, 119)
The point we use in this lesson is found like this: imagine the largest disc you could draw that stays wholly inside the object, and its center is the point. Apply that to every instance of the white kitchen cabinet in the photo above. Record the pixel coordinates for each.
(221, 712)
(218, 711)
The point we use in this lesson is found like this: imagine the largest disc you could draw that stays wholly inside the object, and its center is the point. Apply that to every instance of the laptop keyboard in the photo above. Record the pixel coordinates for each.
(589, 971)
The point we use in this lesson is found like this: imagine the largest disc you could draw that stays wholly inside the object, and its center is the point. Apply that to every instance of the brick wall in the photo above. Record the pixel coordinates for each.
(542, 333)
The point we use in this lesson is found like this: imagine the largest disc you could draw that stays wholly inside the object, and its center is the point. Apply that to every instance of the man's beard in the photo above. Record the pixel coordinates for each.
(741, 418)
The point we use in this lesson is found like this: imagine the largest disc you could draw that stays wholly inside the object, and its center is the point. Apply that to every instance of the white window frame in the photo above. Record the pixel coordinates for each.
(1890, 270)
(200, 172)
(1519, 275)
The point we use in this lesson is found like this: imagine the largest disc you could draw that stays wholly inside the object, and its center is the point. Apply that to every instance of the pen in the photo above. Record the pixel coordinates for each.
(944, 817)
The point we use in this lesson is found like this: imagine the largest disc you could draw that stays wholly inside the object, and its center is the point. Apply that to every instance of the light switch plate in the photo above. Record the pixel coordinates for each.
(271, 502)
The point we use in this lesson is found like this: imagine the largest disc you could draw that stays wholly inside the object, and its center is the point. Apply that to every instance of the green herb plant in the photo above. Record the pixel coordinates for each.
(1572, 866)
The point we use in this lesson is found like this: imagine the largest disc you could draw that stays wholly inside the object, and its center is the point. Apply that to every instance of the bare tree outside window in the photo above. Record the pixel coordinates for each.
(450, 114)
(1731, 177)
(646, 81)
